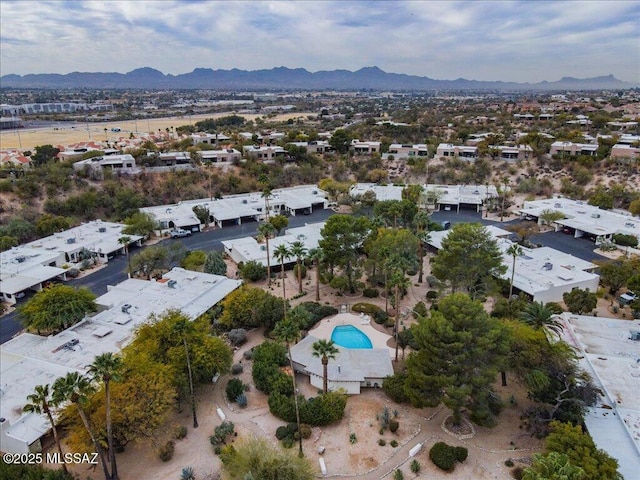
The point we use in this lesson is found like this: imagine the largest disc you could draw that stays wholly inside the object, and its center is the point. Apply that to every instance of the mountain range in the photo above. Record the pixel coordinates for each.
(283, 78)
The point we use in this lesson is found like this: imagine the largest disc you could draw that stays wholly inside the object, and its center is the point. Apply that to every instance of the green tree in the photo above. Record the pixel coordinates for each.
(340, 141)
(615, 273)
(7, 242)
(202, 213)
(140, 223)
(250, 307)
(469, 257)
(325, 350)
(601, 197)
(106, 368)
(580, 301)
(299, 251)
(40, 402)
(421, 230)
(460, 351)
(152, 258)
(316, 255)
(553, 466)
(342, 240)
(634, 207)
(541, 316)
(194, 260)
(396, 213)
(259, 459)
(266, 230)
(49, 224)
(549, 216)
(76, 388)
(124, 240)
(18, 228)
(582, 452)
(57, 307)
(214, 263)
(515, 251)
(279, 222)
(413, 193)
(44, 154)
(287, 331)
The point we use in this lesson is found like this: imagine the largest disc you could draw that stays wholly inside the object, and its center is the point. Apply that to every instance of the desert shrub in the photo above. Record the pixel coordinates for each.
(625, 240)
(398, 475)
(72, 273)
(443, 456)
(237, 369)
(393, 386)
(317, 312)
(166, 451)
(379, 315)
(432, 295)
(305, 430)
(234, 388)
(382, 442)
(252, 271)
(221, 432)
(415, 466)
(393, 425)
(508, 462)
(237, 336)
(393, 443)
(180, 432)
(321, 410)
(353, 438)
(282, 432)
(433, 281)
(517, 473)
(420, 310)
(242, 400)
(461, 453)
(248, 354)
(288, 442)
(370, 292)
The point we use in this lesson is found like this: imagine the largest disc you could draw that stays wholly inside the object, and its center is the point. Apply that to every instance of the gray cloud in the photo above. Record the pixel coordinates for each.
(507, 40)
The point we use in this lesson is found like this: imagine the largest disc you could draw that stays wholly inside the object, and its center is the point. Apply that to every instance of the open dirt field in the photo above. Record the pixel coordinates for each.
(65, 134)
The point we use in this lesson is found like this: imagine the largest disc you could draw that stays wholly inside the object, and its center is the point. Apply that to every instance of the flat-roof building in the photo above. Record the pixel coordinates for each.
(29, 360)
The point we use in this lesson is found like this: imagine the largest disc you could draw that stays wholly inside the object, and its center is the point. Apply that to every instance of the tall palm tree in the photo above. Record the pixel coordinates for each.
(399, 281)
(539, 315)
(105, 368)
(76, 388)
(266, 230)
(124, 241)
(182, 329)
(316, 255)
(325, 350)
(281, 252)
(421, 221)
(299, 251)
(288, 331)
(515, 251)
(41, 402)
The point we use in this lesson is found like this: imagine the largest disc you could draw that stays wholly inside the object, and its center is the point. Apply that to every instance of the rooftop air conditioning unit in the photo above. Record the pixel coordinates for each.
(71, 240)
(547, 266)
(635, 335)
(557, 205)
(245, 201)
(595, 215)
(172, 283)
(20, 259)
(125, 308)
(102, 229)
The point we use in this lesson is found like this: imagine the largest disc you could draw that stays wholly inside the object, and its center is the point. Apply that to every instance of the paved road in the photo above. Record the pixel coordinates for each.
(114, 272)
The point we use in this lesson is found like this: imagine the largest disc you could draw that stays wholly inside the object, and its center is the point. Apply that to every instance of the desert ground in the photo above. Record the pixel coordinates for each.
(65, 134)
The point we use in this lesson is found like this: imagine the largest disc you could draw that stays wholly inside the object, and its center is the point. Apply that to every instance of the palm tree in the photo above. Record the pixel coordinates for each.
(325, 350)
(399, 281)
(182, 328)
(421, 223)
(281, 252)
(266, 230)
(107, 367)
(124, 241)
(288, 331)
(41, 402)
(539, 315)
(76, 389)
(299, 250)
(316, 255)
(515, 251)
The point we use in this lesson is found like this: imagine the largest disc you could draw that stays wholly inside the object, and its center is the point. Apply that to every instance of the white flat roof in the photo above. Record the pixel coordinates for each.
(585, 217)
(448, 194)
(28, 360)
(612, 359)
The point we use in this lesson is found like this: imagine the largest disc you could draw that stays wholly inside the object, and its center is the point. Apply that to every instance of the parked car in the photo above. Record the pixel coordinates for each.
(627, 298)
(179, 232)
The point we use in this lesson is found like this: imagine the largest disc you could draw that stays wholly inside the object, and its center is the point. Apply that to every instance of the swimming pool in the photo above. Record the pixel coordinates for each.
(348, 336)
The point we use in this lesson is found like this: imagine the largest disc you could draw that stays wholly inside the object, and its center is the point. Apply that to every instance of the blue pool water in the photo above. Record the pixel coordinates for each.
(348, 336)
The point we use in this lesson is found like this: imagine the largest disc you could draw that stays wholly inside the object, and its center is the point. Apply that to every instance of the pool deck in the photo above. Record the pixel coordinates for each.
(378, 339)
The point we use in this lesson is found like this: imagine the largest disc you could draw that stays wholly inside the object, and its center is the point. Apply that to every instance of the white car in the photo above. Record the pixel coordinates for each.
(179, 232)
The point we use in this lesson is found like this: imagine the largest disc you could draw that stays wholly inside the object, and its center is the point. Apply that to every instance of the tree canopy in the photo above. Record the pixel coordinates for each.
(468, 258)
(57, 307)
(460, 351)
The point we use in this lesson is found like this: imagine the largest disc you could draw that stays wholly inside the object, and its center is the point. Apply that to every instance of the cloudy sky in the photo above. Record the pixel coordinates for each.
(524, 41)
